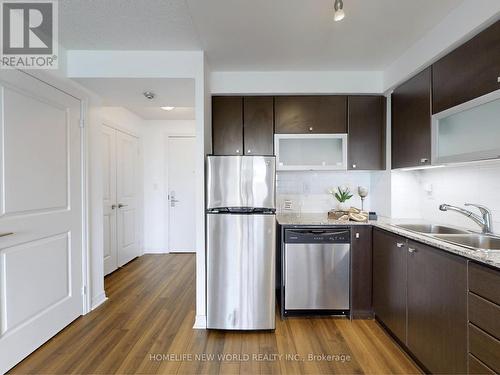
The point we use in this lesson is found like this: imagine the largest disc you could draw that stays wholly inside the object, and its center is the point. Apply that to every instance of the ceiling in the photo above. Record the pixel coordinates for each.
(256, 35)
(128, 93)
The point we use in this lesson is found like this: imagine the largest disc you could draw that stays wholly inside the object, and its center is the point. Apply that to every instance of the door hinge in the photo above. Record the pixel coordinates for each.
(84, 290)
(82, 122)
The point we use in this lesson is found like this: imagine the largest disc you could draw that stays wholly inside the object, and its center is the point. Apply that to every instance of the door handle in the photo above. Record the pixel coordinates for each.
(122, 205)
(400, 244)
(6, 234)
(412, 250)
(113, 206)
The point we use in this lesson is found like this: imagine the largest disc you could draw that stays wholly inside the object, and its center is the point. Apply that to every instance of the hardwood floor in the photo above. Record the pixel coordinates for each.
(146, 327)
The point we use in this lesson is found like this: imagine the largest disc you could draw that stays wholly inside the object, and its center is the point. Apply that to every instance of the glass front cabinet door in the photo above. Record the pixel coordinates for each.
(315, 152)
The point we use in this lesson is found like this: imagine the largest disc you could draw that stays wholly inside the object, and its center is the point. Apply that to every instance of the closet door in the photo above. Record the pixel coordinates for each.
(127, 148)
(109, 197)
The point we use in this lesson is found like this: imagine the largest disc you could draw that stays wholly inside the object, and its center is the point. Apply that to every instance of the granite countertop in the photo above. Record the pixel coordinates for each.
(308, 219)
(491, 258)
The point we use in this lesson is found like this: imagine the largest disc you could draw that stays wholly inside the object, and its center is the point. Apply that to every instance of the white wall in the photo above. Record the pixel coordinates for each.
(204, 147)
(155, 135)
(95, 207)
(122, 119)
(281, 82)
(405, 195)
(479, 183)
(133, 64)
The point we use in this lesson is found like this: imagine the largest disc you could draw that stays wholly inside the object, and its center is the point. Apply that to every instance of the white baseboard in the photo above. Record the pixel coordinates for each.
(155, 251)
(98, 300)
(200, 322)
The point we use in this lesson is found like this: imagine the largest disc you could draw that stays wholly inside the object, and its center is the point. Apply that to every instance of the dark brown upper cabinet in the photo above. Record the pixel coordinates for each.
(389, 281)
(258, 125)
(227, 125)
(316, 114)
(437, 309)
(411, 122)
(470, 71)
(366, 128)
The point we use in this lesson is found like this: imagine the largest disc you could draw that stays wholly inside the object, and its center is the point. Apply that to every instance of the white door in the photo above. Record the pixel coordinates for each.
(108, 145)
(40, 214)
(120, 195)
(127, 149)
(181, 193)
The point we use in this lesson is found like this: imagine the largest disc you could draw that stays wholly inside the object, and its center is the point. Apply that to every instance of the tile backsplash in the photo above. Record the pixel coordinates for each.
(308, 190)
(418, 194)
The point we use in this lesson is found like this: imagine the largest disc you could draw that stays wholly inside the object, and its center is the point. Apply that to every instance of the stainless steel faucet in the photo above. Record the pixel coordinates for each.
(485, 222)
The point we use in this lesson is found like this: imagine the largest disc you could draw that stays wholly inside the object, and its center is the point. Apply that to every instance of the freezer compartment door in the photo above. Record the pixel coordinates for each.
(241, 271)
(317, 276)
(240, 181)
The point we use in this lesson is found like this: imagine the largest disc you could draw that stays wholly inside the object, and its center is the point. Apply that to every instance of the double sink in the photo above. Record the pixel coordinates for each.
(460, 237)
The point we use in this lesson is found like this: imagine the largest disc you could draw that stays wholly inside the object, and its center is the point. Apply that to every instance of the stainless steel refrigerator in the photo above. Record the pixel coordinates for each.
(241, 241)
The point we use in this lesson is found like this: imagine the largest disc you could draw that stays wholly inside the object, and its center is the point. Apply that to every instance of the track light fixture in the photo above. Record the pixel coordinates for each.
(339, 10)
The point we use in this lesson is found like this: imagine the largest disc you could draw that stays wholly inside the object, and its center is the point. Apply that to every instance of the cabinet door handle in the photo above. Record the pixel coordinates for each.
(400, 244)
(498, 79)
(238, 151)
(412, 250)
(424, 160)
(354, 166)
(310, 128)
(249, 151)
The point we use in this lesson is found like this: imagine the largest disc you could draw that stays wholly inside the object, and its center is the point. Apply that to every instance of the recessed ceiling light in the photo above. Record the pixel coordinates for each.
(149, 95)
(339, 10)
(167, 108)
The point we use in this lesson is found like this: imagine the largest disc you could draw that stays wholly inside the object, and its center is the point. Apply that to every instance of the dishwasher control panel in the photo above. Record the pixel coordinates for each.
(337, 235)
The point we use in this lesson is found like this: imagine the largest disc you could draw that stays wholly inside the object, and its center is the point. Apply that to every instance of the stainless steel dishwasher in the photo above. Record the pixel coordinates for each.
(316, 277)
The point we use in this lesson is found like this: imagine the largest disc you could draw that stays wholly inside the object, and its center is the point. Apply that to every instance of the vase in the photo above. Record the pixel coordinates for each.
(342, 206)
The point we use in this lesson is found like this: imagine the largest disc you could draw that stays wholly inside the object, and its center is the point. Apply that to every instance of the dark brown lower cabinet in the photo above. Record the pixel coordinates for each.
(477, 367)
(361, 272)
(420, 296)
(437, 309)
(484, 319)
(389, 281)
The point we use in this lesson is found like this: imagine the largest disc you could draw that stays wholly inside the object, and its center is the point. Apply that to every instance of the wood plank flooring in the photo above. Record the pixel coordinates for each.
(146, 327)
